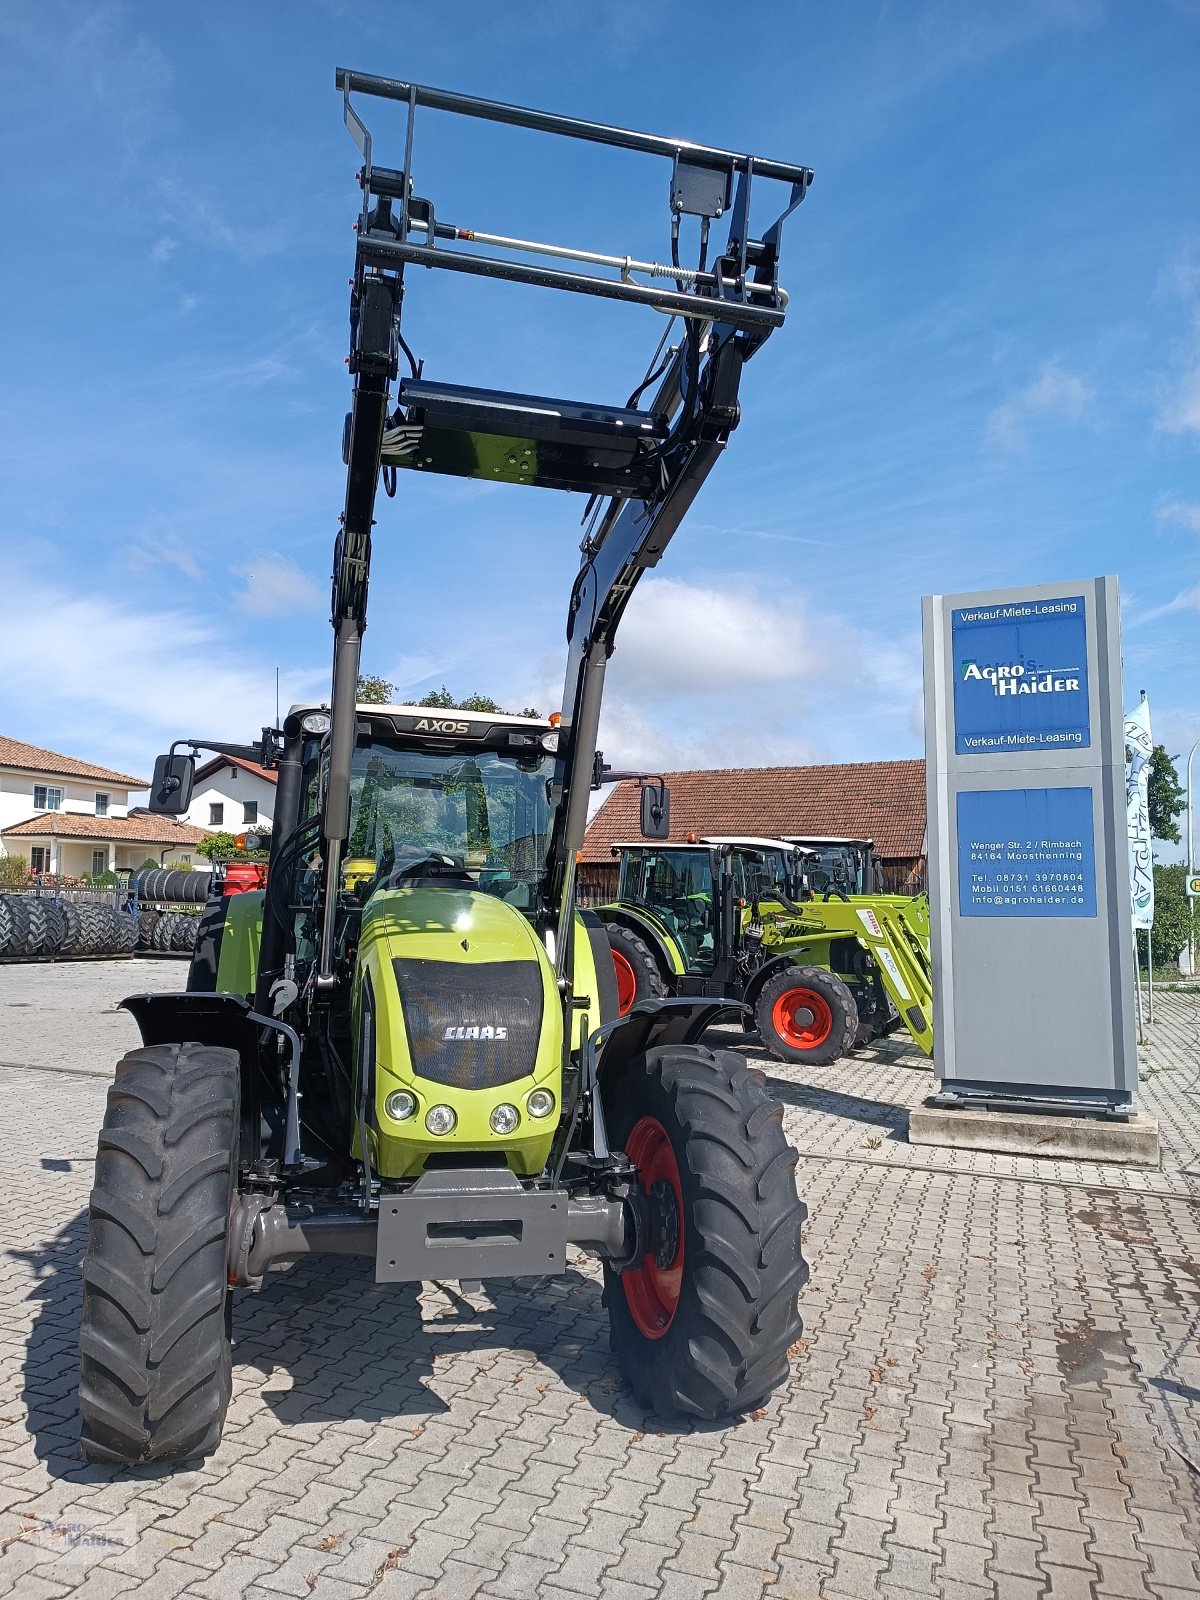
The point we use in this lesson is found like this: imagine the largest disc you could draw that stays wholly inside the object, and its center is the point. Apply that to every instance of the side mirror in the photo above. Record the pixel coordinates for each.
(171, 791)
(656, 811)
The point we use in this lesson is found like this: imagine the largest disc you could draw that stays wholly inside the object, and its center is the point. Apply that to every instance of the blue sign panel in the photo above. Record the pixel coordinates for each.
(1026, 853)
(1020, 676)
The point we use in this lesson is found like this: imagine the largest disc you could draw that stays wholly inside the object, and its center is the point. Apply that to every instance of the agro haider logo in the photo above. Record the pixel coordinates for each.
(1020, 677)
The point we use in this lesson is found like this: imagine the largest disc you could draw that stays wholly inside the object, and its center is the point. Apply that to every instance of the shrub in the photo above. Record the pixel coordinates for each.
(14, 872)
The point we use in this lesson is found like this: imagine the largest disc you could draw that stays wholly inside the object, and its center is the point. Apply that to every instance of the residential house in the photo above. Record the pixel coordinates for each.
(879, 800)
(72, 818)
(231, 795)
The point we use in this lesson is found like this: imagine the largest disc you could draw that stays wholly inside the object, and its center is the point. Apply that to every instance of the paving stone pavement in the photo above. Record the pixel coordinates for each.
(997, 1393)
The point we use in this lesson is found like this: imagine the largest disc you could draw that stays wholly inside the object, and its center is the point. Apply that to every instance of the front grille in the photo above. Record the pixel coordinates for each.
(471, 1027)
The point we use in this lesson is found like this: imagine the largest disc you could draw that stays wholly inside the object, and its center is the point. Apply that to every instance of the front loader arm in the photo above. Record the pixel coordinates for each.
(642, 468)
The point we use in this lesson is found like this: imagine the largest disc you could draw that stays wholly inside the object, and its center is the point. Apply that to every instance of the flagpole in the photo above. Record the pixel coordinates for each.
(1137, 984)
(1150, 970)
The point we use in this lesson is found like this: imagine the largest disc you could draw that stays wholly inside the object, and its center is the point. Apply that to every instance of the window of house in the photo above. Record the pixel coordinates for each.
(101, 805)
(99, 862)
(250, 811)
(216, 814)
(39, 859)
(185, 861)
(47, 798)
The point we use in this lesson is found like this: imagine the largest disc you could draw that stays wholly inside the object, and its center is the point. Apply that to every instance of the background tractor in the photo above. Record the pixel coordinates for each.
(840, 866)
(737, 918)
(407, 1046)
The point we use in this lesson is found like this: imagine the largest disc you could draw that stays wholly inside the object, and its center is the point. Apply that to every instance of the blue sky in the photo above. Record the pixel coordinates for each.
(990, 372)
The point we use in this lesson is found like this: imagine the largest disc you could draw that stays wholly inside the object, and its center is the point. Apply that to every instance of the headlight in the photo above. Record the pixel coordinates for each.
(540, 1103)
(504, 1119)
(315, 722)
(549, 742)
(401, 1105)
(441, 1119)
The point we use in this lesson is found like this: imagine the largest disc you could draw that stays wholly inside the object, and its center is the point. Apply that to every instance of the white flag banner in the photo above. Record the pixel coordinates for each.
(1137, 798)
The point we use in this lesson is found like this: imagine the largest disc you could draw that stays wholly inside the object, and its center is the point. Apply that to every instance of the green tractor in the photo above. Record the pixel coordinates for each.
(738, 918)
(408, 1046)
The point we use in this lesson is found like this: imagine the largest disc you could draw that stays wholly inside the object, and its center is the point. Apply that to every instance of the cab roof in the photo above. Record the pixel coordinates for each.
(821, 838)
(489, 719)
(748, 841)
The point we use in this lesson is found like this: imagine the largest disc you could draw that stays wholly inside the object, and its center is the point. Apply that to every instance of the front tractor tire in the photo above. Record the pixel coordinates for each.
(156, 1362)
(637, 974)
(702, 1324)
(806, 1015)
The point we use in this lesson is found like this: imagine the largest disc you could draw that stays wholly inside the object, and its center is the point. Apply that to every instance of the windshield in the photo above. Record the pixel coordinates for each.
(490, 810)
(837, 867)
(767, 872)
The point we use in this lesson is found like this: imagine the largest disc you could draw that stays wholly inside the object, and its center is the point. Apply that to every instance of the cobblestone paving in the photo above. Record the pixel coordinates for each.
(998, 1392)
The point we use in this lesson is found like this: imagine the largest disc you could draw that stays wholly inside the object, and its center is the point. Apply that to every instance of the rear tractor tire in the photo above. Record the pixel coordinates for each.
(703, 1323)
(637, 974)
(154, 1340)
(806, 1015)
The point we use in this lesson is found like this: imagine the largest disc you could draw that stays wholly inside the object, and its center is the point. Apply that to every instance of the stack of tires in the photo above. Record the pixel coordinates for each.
(168, 883)
(36, 927)
(165, 931)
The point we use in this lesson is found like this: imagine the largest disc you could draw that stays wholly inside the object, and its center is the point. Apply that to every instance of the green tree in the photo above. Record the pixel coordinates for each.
(442, 700)
(1174, 914)
(439, 699)
(217, 844)
(1165, 795)
(374, 691)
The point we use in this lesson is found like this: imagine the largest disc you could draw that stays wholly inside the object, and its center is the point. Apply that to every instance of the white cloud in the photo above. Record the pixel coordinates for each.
(273, 585)
(1179, 411)
(157, 549)
(1180, 511)
(164, 249)
(1179, 398)
(118, 681)
(728, 674)
(1054, 396)
(681, 638)
(1185, 600)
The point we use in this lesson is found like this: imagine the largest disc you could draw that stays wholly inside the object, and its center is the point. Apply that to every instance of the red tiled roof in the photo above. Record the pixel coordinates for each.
(32, 758)
(142, 829)
(218, 762)
(879, 800)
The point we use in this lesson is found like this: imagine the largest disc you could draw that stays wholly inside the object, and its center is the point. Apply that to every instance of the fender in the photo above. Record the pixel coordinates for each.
(663, 947)
(796, 955)
(659, 1021)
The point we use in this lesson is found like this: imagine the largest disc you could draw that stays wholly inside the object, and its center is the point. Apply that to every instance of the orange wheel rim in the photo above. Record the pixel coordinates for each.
(802, 1018)
(651, 1291)
(626, 982)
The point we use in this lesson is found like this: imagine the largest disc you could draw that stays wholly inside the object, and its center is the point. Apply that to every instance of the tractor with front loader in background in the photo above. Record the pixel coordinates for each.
(408, 1047)
(816, 971)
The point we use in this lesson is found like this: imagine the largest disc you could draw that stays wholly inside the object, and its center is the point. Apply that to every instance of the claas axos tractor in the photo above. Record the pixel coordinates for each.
(408, 1046)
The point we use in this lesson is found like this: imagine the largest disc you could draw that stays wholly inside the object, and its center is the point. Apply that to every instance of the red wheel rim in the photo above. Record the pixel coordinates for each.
(651, 1291)
(626, 982)
(802, 1034)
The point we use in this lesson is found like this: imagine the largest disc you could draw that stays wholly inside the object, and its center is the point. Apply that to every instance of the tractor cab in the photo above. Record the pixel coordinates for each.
(707, 898)
(841, 866)
(767, 870)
